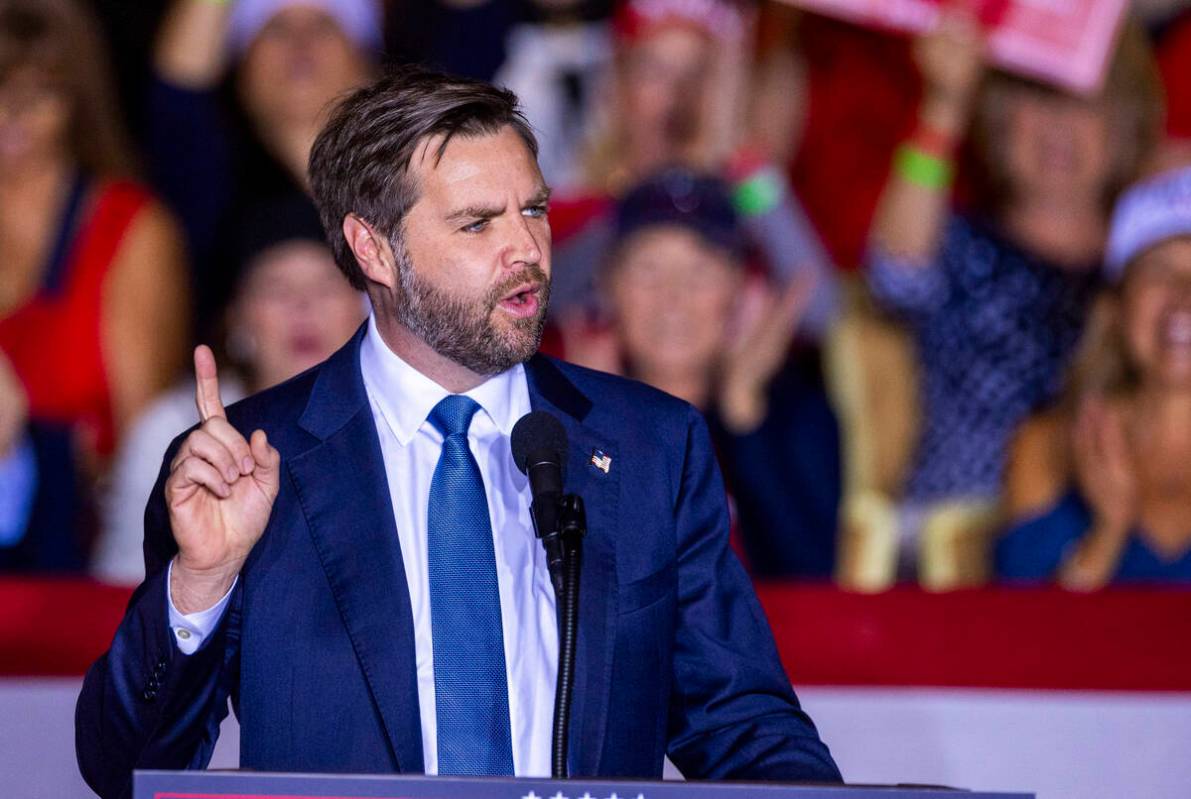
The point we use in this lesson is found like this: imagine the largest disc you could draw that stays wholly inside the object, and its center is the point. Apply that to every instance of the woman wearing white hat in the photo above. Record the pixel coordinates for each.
(1098, 491)
(284, 62)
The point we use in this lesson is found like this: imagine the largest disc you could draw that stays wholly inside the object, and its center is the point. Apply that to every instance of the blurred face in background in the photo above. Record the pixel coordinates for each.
(299, 62)
(1057, 147)
(1157, 314)
(34, 119)
(295, 309)
(673, 298)
(664, 81)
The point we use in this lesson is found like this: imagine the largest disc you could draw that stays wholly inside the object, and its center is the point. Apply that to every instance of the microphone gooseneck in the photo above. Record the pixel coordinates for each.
(539, 444)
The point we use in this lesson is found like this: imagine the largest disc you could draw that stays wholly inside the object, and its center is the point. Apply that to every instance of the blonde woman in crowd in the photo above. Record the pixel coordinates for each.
(1098, 491)
(239, 91)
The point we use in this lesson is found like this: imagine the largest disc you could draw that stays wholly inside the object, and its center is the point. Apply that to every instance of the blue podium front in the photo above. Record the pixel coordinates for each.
(247, 785)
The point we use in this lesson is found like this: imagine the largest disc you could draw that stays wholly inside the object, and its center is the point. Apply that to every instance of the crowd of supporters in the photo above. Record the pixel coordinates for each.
(938, 316)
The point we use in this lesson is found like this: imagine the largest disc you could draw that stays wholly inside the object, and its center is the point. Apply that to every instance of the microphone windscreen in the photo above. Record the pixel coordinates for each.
(538, 435)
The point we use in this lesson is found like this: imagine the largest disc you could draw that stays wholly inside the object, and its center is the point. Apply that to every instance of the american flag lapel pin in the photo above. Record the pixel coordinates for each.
(601, 461)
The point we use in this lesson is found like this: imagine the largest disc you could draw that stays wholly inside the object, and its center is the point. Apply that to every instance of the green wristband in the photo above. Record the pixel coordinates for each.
(759, 193)
(923, 169)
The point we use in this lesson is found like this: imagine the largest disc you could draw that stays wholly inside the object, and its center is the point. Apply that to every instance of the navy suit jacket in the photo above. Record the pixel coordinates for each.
(316, 649)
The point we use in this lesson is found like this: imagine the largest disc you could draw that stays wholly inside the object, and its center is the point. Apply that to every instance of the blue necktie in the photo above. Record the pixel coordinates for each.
(471, 690)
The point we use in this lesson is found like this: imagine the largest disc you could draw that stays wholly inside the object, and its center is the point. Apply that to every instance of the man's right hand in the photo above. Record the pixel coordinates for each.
(220, 493)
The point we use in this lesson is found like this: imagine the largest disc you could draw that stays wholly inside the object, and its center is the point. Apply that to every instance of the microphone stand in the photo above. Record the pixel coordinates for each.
(572, 524)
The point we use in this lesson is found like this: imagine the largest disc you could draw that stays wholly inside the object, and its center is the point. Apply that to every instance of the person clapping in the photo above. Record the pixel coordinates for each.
(1098, 490)
(686, 316)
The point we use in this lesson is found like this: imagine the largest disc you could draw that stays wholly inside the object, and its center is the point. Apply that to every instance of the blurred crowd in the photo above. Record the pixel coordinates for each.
(937, 316)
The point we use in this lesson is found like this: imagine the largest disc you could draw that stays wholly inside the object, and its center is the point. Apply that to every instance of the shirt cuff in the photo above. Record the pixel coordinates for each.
(191, 629)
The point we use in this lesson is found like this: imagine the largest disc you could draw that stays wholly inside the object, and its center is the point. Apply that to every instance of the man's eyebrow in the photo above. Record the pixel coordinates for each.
(475, 212)
(541, 196)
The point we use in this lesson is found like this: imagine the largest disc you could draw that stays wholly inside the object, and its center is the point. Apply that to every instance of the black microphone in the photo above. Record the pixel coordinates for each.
(539, 444)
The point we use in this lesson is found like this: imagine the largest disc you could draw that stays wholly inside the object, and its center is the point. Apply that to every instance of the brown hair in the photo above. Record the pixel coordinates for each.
(1132, 93)
(359, 163)
(1102, 365)
(58, 37)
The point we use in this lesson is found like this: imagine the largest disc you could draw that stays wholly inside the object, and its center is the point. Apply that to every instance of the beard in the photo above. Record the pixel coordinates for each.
(463, 329)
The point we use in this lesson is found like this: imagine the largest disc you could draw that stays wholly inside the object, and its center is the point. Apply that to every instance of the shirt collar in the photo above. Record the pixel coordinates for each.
(406, 396)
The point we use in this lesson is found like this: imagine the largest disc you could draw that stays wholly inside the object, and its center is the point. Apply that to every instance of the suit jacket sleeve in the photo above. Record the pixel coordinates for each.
(144, 704)
(733, 713)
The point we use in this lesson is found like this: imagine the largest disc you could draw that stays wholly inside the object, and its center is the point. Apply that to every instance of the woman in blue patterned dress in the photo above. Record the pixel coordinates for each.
(996, 295)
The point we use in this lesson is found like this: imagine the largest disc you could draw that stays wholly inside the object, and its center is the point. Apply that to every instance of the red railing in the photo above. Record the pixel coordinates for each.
(1120, 639)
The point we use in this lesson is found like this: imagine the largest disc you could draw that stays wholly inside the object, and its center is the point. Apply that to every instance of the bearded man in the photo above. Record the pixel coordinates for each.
(349, 557)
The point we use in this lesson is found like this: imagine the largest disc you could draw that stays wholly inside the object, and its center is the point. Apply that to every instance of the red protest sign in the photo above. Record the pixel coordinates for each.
(1064, 42)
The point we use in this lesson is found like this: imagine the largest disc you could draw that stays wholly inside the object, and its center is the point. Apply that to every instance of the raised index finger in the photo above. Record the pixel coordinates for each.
(206, 383)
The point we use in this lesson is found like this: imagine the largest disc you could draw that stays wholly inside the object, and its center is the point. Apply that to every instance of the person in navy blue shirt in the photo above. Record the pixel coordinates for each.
(686, 314)
(1098, 489)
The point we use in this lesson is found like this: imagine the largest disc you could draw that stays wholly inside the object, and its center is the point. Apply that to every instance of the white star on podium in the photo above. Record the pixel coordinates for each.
(559, 795)
(531, 795)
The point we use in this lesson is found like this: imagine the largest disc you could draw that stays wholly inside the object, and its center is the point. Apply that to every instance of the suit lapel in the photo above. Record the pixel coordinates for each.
(342, 490)
(551, 391)
(352, 525)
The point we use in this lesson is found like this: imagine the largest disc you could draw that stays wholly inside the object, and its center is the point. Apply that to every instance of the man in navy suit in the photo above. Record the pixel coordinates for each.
(349, 556)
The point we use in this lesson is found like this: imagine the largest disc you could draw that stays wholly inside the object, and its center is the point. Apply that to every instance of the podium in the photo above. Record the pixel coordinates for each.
(259, 785)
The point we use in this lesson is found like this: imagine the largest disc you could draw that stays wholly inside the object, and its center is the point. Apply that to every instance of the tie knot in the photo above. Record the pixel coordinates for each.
(452, 415)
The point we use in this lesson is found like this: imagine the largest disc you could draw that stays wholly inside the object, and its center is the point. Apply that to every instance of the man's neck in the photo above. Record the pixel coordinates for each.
(407, 346)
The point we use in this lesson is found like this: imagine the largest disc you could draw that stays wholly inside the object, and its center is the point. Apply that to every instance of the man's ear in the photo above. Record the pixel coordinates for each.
(372, 250)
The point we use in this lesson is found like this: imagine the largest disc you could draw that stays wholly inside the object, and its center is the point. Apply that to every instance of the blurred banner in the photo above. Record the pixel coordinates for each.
(1063, 42)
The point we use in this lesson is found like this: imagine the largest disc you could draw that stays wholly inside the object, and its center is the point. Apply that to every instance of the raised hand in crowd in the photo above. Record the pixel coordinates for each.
(220, 493)
(914, 208)
(1107, 478)
(191, 50)
(951, 59)
(723, 110)
(769, 317)
(1104, 466)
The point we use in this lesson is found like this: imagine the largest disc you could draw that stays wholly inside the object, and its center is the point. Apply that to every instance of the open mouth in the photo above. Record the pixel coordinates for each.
(523, 301)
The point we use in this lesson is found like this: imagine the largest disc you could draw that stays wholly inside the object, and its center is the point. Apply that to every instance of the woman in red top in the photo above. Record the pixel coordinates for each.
(92, 299)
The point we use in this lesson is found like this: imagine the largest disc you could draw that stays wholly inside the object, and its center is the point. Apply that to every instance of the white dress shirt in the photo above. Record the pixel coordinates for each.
(401, 399)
